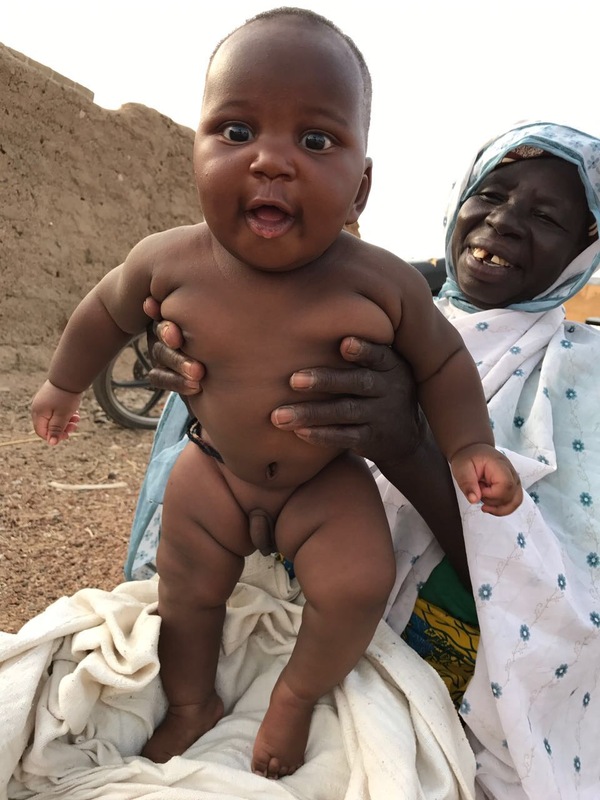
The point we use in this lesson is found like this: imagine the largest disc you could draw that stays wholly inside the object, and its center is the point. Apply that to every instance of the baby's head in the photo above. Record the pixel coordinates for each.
(280, 153)
(298, 16)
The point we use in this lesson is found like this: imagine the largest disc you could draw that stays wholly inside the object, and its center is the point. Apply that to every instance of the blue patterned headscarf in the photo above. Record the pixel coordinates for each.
(575, 146)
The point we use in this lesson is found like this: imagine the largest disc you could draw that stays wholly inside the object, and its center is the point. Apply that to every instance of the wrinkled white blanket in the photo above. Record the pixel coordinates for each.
(80, 694)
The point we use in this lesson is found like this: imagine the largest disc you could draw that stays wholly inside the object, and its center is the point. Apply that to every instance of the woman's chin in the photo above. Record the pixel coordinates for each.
(486, 289)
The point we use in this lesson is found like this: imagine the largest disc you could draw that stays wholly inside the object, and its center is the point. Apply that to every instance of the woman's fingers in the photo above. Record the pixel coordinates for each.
(377, 357)
(171, 369)
(335, 412)
(170, 334)
(174, 371)
(372, 408)
(152, 308)
(173, 382)
(166, 358)
(328, 380)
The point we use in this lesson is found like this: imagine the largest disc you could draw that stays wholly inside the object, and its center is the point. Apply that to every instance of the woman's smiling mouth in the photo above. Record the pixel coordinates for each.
(489, 258)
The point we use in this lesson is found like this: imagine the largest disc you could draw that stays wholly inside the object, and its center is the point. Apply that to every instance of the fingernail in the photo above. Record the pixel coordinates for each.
(283, 415)
(354, 346)
(304, 379)
(187, 370)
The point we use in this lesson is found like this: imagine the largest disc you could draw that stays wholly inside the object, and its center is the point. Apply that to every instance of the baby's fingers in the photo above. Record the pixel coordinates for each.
(59, 428)
(503, 496)
(502, 509)
(56, 432)
(72, 424)
(467, 479)
(40, 425)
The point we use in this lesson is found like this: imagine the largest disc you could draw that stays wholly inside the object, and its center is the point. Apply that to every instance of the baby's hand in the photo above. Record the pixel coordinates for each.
(485, 475)
(55, 413)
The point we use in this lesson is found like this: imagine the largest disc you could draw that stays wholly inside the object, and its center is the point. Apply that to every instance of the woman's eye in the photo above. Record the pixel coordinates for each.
(547, 218)
(491, 197)
(316, 141)
(237, 132)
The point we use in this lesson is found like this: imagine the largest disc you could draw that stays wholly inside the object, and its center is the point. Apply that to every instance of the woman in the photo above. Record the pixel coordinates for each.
(521, 239)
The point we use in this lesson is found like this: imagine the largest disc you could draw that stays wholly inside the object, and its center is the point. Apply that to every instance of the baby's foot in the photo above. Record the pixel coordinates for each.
(281, 739)
(182, 726)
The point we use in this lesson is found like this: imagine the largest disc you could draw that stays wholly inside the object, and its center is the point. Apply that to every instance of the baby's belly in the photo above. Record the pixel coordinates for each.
(250, 445)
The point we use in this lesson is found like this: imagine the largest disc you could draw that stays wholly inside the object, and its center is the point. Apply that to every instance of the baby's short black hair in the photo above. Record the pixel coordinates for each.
(316, 19)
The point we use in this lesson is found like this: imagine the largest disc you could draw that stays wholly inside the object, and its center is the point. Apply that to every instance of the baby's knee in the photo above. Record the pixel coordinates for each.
(198, 585)
(371, 585)
(358, 588)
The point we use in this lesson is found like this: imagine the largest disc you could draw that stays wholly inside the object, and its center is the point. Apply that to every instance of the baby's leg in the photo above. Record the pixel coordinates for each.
(200, 558)
(335, 530)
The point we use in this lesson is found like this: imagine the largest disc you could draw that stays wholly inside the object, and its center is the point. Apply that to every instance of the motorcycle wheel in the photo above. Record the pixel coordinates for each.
(123, 390)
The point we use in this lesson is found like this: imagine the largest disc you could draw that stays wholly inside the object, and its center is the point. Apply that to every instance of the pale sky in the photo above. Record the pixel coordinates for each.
(447, 75)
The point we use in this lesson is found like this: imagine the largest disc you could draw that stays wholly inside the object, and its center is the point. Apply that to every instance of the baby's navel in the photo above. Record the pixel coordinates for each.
(272, 470)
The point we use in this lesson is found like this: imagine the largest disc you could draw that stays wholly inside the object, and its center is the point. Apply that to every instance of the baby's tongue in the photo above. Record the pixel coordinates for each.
(269, 214)
(269, 221)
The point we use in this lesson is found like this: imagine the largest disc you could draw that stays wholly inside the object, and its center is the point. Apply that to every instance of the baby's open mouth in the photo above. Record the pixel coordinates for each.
(269, 222)
(489, 258)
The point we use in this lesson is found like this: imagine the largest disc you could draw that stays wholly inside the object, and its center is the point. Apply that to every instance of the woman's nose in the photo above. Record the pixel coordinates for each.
(273, 160)
(507, 220)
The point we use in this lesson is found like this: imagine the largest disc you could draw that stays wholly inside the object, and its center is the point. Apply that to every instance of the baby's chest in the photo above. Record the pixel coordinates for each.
(281, 322)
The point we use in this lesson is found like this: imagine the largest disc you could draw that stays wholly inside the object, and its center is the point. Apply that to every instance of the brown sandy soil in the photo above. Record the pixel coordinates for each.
(54, 542)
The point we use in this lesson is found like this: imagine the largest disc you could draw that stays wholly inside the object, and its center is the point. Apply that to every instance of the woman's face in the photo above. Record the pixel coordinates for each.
(526, 222)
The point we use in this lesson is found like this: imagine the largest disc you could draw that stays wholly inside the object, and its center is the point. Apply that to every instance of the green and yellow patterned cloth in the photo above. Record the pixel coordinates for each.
(443, 629)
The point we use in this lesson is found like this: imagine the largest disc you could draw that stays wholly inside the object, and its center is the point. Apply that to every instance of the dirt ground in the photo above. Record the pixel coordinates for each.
(56, 541)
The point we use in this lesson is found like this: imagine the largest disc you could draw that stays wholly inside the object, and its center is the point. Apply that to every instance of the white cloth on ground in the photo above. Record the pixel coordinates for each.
(80, 694)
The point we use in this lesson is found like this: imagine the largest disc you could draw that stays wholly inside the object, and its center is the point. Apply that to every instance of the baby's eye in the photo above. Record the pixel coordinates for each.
(315, 140)
(237, 132)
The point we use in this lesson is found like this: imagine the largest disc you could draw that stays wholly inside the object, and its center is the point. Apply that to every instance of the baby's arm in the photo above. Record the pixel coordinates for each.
(101, 324)
(451, 395)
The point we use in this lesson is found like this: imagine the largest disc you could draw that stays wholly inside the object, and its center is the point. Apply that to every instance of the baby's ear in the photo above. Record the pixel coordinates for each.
(360, 201)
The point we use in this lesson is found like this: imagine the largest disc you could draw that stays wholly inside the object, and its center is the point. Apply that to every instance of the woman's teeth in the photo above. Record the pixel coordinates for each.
(482, 255)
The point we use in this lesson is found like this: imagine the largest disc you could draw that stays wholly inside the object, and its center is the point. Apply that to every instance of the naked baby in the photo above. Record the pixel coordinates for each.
(268, 284)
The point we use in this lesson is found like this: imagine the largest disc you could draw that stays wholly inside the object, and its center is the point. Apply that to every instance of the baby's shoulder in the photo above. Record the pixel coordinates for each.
(163, 246)
(372, 258)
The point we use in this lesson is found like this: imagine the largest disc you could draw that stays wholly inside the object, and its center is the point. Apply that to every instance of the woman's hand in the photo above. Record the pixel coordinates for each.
(373, 409)
(171, 369)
